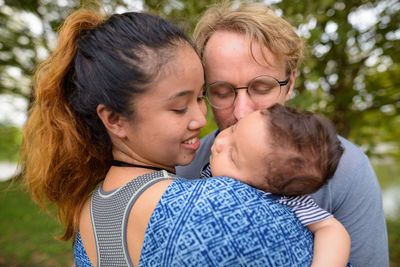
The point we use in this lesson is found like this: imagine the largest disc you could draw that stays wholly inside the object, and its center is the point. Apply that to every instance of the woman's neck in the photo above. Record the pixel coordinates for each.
(130, 157)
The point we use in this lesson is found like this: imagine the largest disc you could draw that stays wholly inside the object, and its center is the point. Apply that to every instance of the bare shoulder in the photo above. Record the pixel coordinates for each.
(86, 232)
(137, 222)
(140, 215)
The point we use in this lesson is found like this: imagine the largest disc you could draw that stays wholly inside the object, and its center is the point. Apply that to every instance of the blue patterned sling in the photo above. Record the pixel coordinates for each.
(212, 222)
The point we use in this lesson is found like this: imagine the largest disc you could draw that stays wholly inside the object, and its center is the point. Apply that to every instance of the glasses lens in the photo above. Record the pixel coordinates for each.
(264, 90)
(220, 95)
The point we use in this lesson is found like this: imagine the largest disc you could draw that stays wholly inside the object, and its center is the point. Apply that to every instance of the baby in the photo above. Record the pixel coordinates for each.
(287, 154)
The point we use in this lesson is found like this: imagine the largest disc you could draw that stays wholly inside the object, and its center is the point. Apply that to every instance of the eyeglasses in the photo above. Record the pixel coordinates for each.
(262, 90)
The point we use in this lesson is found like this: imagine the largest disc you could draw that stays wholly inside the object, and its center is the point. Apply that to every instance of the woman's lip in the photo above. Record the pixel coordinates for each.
(193, 146)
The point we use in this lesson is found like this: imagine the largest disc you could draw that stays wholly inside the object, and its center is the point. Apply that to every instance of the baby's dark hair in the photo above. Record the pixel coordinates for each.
(306, 151)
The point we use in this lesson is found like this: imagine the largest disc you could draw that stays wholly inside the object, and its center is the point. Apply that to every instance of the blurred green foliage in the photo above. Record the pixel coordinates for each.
(10, 140)
(348, 75)
(394, 242)
(211, 124)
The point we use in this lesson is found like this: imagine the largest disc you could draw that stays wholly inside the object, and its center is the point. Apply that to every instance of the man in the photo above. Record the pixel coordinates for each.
(250, 56)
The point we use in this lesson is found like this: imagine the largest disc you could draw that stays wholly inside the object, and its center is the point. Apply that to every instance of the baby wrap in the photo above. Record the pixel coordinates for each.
(219, 222)
(223, 222)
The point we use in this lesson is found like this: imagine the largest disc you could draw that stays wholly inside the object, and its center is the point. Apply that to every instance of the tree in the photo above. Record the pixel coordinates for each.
(28, 31)
(351, 43)
(348, 74)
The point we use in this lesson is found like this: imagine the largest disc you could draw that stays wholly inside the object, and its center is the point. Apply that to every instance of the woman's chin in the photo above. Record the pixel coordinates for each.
(187, 160)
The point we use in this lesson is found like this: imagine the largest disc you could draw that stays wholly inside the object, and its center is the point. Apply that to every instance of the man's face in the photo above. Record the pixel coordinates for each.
(228, 58)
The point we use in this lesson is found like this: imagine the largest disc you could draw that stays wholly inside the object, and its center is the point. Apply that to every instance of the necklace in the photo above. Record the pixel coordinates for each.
(126, 164)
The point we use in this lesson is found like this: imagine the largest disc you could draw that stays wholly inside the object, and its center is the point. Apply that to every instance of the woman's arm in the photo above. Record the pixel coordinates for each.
(331, 243)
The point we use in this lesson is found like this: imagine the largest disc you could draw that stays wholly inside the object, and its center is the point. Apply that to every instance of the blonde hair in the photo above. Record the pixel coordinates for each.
(258, 22)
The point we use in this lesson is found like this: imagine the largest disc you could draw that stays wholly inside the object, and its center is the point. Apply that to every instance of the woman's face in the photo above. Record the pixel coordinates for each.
(168, 117)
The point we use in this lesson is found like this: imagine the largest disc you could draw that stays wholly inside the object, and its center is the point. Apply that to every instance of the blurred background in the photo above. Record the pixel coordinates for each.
(350, 75)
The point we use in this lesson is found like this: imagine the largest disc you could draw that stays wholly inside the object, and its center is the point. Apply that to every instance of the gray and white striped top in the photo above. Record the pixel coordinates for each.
(304, 207)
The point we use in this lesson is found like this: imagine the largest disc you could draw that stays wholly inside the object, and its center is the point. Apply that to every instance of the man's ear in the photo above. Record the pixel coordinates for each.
(291, 85)
(113, 121)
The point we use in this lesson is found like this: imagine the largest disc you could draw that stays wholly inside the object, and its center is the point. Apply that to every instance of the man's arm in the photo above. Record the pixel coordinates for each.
(354, 197)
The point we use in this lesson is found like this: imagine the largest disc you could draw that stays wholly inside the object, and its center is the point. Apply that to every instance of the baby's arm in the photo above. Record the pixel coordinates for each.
(331, 240)
(331, 243)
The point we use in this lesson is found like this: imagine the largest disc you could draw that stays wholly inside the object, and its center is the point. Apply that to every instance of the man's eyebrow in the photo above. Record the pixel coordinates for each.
(180, 94)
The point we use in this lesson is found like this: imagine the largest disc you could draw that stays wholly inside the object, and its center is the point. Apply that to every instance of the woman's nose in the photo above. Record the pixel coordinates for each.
(199, 118)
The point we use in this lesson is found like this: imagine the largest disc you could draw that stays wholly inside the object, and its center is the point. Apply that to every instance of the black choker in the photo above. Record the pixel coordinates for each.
(126, 164)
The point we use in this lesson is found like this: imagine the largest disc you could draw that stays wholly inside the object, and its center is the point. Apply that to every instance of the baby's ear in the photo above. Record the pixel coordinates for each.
(113, 121)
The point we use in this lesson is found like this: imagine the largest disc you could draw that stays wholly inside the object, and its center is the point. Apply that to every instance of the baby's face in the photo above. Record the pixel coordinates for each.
(239, 150)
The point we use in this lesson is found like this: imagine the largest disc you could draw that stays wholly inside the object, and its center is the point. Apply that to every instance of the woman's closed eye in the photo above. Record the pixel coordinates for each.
(180, 110)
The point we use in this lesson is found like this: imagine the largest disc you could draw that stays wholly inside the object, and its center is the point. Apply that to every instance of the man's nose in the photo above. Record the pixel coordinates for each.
(243, 104)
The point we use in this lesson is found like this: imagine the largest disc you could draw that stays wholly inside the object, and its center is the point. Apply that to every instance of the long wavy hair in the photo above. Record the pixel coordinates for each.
(66, 151)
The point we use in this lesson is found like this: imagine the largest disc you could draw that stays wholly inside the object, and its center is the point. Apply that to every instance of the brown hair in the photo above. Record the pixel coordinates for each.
(66, 150)
(306, 151)
(256, 21)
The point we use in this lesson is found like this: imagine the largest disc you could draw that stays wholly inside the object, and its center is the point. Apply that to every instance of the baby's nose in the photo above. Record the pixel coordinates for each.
(219, 144)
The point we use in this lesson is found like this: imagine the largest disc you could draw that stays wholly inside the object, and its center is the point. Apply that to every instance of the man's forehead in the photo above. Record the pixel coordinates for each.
(225, 43)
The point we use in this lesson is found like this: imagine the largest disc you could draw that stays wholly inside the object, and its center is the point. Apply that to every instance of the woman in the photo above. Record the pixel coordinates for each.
(119, 104)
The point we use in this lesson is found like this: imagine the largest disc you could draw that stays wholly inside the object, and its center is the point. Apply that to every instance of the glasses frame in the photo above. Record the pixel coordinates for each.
(281, 83)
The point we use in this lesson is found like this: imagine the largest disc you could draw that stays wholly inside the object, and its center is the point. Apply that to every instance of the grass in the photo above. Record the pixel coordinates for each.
(389, 176)
(27, 233)
(388, 173)
(394, 242)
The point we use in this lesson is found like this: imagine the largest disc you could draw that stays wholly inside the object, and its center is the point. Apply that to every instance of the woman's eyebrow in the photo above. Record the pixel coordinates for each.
(180, 94)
